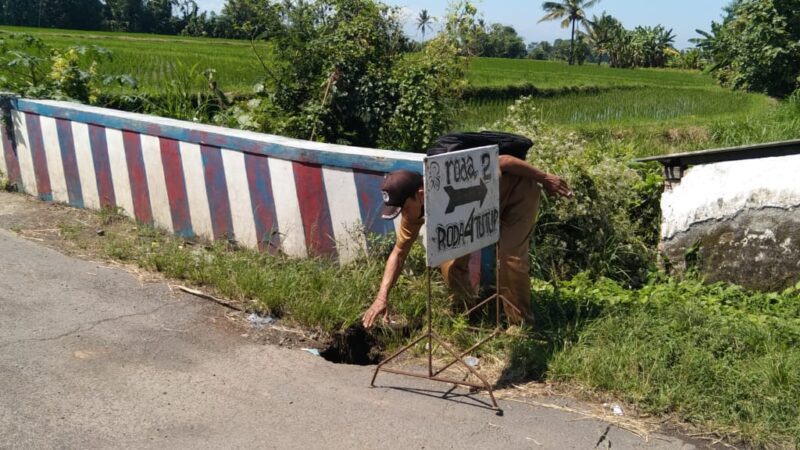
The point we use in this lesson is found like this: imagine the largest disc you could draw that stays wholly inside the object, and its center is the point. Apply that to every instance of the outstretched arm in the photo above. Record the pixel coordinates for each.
(553, 184)
(394, 265)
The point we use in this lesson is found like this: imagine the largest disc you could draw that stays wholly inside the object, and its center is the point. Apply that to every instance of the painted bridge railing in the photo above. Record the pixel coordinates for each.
(273, 193)
(304, 198)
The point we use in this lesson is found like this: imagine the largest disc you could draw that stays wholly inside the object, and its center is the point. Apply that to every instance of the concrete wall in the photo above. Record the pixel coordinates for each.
(302, 198)
(744, 216)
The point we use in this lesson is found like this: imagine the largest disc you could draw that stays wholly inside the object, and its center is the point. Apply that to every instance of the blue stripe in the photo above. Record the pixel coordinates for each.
(245, 145)
(69, 161)
(370, 201)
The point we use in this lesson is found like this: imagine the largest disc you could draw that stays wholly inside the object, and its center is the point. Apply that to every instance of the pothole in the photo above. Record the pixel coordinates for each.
(353, 346)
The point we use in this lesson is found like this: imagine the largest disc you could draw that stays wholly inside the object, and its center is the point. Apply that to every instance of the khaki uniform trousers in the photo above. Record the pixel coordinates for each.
(519, 206)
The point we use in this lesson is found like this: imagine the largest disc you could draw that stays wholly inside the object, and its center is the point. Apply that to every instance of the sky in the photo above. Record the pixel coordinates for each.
(683, 16)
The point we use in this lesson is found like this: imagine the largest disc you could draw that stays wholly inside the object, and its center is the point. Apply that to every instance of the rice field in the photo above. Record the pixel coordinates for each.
(555, 74)
(151, 58)
(639, 96)
(623, 107)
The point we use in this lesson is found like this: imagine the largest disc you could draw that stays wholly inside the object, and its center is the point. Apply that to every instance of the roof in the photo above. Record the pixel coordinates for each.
(768, 150)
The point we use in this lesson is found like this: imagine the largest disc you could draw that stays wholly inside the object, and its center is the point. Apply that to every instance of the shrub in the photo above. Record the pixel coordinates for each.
(341, 77)
(30, 68)
(610, 226)
(757, 46)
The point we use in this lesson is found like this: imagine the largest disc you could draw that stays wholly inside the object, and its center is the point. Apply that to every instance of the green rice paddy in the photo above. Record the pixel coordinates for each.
(625, 98)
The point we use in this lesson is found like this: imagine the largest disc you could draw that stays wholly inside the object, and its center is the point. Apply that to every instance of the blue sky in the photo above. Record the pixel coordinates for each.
(683, 16)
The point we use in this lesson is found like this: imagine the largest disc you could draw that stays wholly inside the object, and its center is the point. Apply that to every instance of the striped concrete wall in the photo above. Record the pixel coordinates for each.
(267, 192)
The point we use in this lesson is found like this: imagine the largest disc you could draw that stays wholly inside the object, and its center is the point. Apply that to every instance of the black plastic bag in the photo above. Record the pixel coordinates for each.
(509, 144)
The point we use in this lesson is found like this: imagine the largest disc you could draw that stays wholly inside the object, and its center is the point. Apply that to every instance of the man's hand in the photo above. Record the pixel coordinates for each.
(553, 184)
(379, 306)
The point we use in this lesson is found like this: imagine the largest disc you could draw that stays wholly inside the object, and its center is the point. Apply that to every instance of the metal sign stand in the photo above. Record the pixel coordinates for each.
(433, 373)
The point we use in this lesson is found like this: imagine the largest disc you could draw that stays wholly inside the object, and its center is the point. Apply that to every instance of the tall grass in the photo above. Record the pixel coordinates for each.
(628, 107)
(315, 293)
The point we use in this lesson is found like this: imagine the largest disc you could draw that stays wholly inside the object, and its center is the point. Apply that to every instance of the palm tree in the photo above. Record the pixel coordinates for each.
(601, 32)
(571, 12)
(424, 22)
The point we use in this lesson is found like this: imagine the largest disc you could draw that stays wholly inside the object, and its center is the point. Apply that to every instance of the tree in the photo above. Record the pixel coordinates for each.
(338, 75)
(159, 16)
(463, 28)
(570, 12)
(756, 47)
(75, 14)
(502, 41)
(651, 45)
(247, 19)
(540, 50)
(600, 32)
(425, 22)
(125, 15)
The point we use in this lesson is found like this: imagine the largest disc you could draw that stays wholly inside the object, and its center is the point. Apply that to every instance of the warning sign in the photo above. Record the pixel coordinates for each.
(462, 203)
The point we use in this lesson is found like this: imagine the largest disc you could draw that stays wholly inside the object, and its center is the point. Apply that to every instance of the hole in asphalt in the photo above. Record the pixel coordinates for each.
(353, 346)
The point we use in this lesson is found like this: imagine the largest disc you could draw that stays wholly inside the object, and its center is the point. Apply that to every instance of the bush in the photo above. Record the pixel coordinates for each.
(340, 77)
(610, 227)
(30, 68)
(757, 46)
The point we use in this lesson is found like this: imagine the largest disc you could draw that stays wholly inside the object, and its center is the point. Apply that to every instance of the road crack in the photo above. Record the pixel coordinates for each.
(91, 326)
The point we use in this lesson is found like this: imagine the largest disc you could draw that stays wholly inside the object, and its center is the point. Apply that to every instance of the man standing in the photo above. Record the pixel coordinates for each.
(520, 191)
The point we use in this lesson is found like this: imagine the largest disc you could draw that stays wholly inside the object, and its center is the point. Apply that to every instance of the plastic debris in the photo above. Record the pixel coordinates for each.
(472, 361)
(617, 410)
(260, 321)
(313, 351)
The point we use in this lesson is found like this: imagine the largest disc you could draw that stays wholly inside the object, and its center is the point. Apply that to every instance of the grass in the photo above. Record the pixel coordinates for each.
(151, 58)
(314, 293)
(554, 74)
(648, 121)
(717, 355)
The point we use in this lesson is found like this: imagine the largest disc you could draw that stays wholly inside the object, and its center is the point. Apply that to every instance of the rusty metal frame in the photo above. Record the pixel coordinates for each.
(457, 358)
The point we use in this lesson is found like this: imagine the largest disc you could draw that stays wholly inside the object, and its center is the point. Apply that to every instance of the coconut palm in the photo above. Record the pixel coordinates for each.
(570, 12)
(425, 22)
(600, 32)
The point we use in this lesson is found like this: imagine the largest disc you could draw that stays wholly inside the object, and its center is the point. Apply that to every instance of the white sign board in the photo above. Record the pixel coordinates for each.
(462, 203)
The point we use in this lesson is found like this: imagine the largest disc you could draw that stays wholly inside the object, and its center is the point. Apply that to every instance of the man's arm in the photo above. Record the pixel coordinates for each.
(394, 265)
(553, 184)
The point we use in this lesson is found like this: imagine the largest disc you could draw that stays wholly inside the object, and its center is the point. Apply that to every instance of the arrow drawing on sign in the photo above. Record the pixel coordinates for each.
(465, 196)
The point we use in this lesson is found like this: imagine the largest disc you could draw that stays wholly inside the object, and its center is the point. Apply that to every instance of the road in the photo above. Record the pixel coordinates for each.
(92, 357)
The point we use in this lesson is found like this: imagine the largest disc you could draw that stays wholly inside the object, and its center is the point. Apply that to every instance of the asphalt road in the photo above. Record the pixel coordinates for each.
(90, 357)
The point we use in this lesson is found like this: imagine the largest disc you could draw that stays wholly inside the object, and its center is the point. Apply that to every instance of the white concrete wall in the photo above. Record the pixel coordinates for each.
(720, 191)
